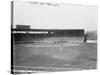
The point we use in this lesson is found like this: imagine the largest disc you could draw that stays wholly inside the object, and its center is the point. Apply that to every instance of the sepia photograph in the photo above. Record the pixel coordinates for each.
(53, 37)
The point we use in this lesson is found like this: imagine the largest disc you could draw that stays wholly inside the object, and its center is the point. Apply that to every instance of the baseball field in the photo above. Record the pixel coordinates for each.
(51, 57)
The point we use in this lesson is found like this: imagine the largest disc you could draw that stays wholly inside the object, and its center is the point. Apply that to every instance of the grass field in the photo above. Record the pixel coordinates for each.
(50, 57)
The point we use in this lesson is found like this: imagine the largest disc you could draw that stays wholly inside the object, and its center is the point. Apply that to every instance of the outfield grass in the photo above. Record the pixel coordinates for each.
(64, 56)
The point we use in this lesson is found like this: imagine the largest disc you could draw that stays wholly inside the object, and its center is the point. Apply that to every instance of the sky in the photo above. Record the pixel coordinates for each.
(55, 16)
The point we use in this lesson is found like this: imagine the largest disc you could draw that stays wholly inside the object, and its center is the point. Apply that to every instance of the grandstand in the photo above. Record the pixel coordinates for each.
(47, 35)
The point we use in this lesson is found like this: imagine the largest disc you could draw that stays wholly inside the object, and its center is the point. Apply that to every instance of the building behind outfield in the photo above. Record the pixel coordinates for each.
(26, 34)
